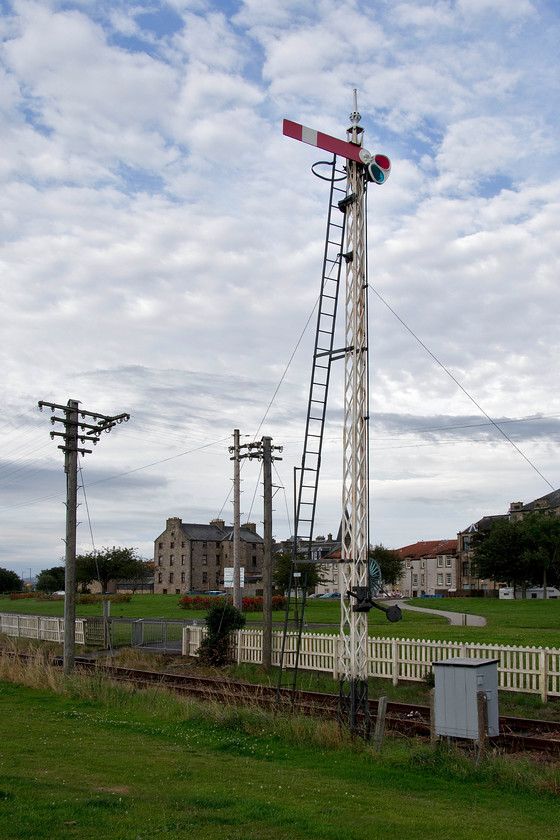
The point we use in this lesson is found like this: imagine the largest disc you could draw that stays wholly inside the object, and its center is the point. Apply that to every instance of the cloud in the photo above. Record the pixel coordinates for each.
(163, 246)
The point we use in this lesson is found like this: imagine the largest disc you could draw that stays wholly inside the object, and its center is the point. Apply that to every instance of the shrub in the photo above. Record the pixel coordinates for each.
(200, 602)
(221, 620)
(17, 596)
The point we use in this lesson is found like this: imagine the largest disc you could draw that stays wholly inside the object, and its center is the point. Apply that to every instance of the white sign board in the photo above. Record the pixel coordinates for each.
(228, 577)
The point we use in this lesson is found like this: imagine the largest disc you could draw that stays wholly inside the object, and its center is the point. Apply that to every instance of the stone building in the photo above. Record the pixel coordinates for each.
(191, 556)
(468, 583)
(429, 568)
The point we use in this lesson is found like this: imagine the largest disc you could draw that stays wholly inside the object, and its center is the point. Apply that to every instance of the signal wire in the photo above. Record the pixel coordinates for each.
(464, 390)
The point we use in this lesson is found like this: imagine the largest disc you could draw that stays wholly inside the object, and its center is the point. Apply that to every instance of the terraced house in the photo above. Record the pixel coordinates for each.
(429, 568)
(191, 556)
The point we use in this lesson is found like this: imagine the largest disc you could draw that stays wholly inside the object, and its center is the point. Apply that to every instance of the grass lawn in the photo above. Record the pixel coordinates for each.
(529, 622)
(96, 762)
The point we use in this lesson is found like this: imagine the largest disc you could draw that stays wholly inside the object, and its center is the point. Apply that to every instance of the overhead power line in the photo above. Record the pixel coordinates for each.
(460, 386)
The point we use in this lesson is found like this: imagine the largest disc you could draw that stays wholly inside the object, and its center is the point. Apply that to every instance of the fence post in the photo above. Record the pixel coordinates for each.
(543, 673)
(335, 649)
(240, 645)
(395, 665)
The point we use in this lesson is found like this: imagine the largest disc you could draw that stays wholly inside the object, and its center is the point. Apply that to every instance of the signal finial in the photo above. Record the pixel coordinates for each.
(355, 116)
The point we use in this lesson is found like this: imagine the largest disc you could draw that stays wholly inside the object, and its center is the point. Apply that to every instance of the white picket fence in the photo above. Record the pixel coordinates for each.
(38, 627)
(534, 670)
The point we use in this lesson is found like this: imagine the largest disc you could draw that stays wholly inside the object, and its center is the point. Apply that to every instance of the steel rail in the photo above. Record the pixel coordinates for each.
(516, 734)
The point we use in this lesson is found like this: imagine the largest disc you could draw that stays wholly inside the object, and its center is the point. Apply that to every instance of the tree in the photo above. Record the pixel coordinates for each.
(311, 574)
(542, 548)
(10, 581)
(390, 563)
(499, 553)
(221, 621)
(51, 580)
(109, 564)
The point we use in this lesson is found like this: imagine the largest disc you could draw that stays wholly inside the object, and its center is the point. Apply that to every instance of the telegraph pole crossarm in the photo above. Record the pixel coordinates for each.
(77, 434)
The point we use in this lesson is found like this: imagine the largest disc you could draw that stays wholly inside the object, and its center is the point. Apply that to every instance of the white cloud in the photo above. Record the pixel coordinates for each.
(163, 242)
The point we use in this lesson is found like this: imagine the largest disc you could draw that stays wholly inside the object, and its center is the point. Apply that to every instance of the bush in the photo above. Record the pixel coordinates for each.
(17, 596)
(221, 620)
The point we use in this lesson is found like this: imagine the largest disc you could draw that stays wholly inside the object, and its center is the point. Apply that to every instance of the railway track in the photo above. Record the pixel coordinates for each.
(516, 734)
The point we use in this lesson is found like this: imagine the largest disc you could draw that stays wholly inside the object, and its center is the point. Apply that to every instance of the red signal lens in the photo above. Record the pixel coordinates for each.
(383, 161)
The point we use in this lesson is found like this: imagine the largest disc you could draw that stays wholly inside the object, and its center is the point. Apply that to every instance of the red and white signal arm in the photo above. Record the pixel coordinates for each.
(378, 167)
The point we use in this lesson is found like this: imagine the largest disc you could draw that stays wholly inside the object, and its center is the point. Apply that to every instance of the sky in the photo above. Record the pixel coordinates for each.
(161, 248)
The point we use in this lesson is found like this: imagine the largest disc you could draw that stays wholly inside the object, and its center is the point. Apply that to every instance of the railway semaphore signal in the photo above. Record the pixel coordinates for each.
(345, 245)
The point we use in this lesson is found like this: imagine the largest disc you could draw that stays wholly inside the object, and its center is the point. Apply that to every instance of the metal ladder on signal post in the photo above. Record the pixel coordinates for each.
(323, 356)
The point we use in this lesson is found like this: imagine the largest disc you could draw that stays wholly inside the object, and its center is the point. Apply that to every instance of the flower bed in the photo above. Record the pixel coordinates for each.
(205, 602)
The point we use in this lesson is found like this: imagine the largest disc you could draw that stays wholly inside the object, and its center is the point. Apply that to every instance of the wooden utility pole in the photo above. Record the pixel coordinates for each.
(71, 470)
(261, 450)
(237, 602)
(77, 433)
(267, 555)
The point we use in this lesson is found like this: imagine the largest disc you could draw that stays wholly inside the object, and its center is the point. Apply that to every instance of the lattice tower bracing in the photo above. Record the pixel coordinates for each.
(355, 491)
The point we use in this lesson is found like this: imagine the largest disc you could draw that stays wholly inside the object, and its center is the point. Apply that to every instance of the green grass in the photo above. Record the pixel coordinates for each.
(529, 622)
(96, 762)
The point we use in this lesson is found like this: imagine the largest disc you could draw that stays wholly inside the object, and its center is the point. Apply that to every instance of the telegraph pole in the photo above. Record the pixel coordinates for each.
(77, 433)
(237, 602)
(267, 556)
(71, 469)
(261, 450)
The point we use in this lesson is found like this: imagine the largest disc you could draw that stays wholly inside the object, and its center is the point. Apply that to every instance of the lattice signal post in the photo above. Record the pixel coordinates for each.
(361, 167)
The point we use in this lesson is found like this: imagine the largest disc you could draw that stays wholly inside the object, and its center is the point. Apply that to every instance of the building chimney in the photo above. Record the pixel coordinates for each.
(250, 526)
(219, 523)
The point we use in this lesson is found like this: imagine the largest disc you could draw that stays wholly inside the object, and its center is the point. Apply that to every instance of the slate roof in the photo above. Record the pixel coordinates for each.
(553, 500)
(202, 532)
(195, 531)
(427, 548)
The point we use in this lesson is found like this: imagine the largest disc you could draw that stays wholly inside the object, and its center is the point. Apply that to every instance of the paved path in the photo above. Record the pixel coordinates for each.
(463, 619)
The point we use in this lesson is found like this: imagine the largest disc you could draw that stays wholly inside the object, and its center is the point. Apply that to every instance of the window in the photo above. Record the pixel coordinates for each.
(448, 580)
(422, 579)
(440, 580)
(160, 577)
(160, 545)
(204, 577)
(465, 570)
(170, 577)
(254, 560)
(159, 561)
(204, 560)
(217, 559)
(415, 580)
(465, 543)
(171, 545)
(182, 577)
(183, 544)
(203, 545)
(171, 559)
(440, 562)
(183, 559)
(423, 564)
(448, 562)
(407, 563)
